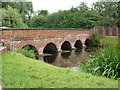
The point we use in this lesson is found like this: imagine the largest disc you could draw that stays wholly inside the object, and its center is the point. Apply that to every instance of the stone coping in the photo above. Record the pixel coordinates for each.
(44, 29)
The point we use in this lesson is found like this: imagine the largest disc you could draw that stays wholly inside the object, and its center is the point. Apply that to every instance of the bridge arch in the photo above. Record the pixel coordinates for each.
(66, 46)
(78, 44)
(87, 42)
(33, 48)
(50, 48)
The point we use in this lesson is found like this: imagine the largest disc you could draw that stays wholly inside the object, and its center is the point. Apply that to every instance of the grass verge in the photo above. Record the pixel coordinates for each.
(109, 40)
(22, 72)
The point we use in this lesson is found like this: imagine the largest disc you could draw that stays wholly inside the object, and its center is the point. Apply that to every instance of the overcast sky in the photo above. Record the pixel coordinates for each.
(55, 5)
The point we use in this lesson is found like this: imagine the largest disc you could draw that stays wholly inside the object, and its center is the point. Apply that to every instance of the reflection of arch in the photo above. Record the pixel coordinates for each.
(78, 50)
(31, 47)
(50, 59)
(66, 46)
(66, 55)
(88, 49)
(50, 48)
(78, 44)
(87, 42)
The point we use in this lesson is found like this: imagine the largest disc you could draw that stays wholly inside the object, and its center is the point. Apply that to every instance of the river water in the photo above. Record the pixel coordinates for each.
(68, 59)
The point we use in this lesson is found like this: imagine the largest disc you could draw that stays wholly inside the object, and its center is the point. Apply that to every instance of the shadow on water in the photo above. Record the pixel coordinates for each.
(78, 50)
(50, 59)
(68, 59)
(66, 55)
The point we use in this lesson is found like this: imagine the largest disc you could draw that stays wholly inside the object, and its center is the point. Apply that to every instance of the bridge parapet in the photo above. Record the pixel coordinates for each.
(40, 37)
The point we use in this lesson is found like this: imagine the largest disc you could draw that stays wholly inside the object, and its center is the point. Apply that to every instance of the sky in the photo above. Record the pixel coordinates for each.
(55, 5)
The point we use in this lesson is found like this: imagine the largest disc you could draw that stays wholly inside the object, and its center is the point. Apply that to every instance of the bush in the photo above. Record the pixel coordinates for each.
(28, 53)
(95, 40)
(105, 63)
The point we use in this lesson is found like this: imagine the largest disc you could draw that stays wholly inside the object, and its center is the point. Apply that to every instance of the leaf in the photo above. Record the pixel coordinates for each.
(96, 69)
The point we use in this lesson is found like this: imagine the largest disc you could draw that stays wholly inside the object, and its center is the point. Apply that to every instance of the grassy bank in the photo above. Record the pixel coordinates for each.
(22, 72)
(109, 40)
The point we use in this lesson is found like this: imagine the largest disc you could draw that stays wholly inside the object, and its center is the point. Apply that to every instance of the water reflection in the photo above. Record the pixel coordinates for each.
(68, 59)
(66, 55)
(78, 50)
(50, 59)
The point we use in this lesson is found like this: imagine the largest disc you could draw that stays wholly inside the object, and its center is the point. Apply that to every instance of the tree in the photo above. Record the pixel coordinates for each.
(108, 11)
(83, 7)
(106, 8)
(12, 18)
(24, 8)
(43, 12)
(38, 21)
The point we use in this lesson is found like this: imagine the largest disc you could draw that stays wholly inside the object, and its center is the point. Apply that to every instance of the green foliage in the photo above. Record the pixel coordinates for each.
(43, 12)
(108, 11)
(22, 72)
(79, 17)
(28, 53)
(12, 18)
(95, 40)
(104, 63)
(106, 8)
(38, 21)
(24, 8)
(101, 14)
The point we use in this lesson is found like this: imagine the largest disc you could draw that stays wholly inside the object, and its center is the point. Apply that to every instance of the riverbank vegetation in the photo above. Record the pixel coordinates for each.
(95, 40)
(22, 72)
(105, 61)
(26, 52)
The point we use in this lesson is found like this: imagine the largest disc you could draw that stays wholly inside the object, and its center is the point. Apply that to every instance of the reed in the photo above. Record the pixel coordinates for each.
(104, 63)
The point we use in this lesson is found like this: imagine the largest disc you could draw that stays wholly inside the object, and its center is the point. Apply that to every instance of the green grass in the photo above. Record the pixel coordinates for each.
(22, 72)
(109, 40)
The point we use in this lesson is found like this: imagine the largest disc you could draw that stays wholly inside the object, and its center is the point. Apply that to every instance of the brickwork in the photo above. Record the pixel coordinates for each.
(40, 37)
(106, 31)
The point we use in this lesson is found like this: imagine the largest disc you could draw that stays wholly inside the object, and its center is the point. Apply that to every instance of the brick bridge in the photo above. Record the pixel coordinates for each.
(39, 38)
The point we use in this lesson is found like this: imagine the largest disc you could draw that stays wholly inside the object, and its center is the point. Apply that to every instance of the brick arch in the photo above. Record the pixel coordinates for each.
(87, 42)
(33, 48)
(78, 44)
(50, 48)
(66, 45)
